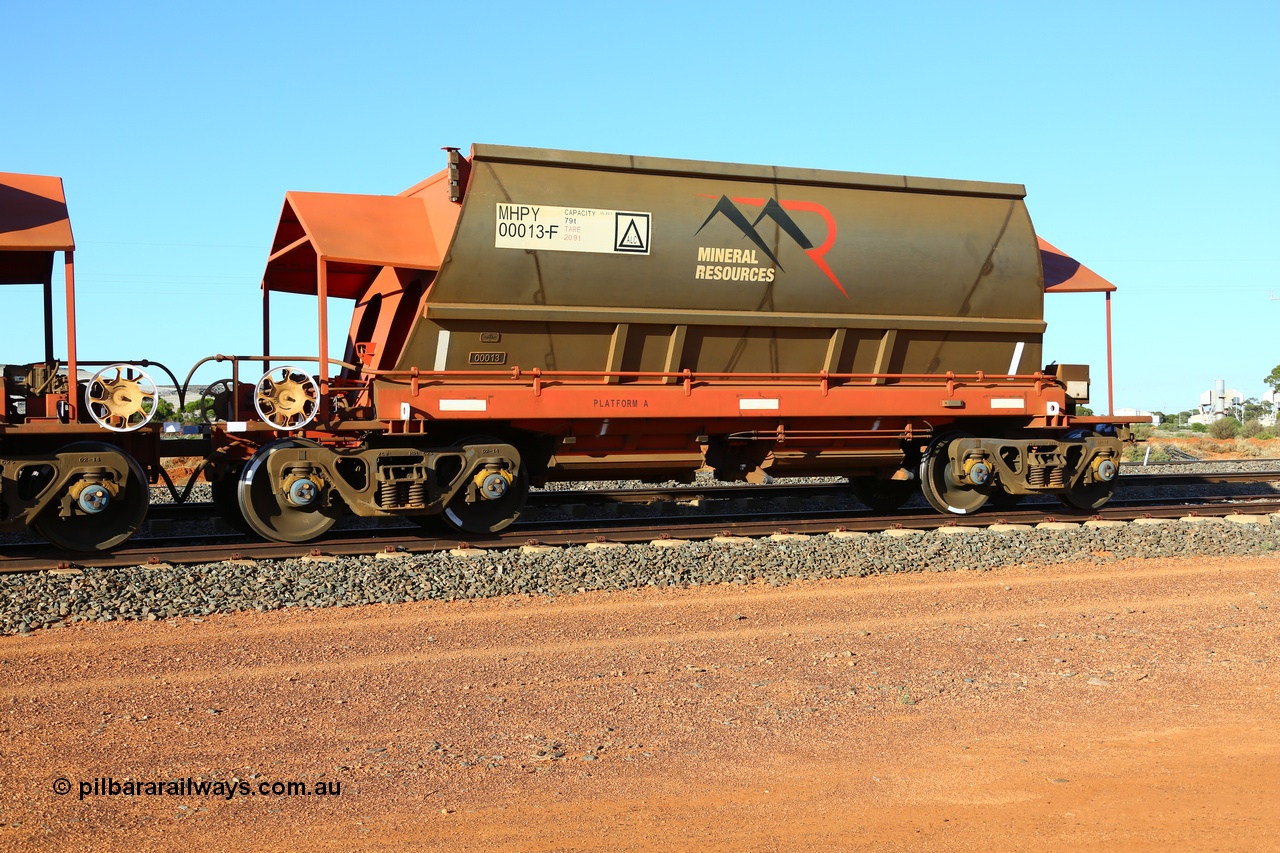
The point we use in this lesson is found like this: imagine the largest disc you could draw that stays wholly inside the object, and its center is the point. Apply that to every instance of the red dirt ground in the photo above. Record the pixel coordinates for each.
(1114, 706)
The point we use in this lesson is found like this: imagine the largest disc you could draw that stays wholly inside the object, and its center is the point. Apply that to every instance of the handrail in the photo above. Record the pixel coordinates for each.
(538, 379)
(539, 375)
(536, 374)
(140, 363)
(236, 359)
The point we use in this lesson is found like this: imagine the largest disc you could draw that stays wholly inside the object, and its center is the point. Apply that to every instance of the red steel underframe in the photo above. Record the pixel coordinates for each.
(527, 395)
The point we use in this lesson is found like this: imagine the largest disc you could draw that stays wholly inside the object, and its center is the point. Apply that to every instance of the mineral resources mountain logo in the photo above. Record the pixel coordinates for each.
(742, 264)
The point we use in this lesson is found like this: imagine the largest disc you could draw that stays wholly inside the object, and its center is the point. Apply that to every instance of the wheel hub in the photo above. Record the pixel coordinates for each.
(303, 492)
(94, 498)
(977, 472)
(493, 484)
(93, 494)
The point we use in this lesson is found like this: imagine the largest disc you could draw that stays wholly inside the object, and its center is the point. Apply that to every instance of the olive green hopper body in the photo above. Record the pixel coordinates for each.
(634, 266)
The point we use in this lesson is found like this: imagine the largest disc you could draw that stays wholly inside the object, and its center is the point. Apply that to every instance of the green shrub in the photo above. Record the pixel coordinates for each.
(1224, 428)
(1267, 434)
(1247, 448)
(164, 411)
(1251, 428)
(1199, 428)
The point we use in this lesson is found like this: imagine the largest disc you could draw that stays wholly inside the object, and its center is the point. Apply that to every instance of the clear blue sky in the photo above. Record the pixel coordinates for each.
(1147, 135)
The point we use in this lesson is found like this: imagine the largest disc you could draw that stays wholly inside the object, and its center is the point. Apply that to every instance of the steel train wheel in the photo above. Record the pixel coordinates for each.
(226, 500)
(1090, 497)
(269, 513)
(1000, 499)
(103, 529)
(432, 524)
(883, 495)
(483, 516)
(940, 489)
(488, 516)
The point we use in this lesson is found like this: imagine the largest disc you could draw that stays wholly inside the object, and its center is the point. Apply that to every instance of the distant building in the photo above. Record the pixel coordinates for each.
(1217, 403)
(1138, 413)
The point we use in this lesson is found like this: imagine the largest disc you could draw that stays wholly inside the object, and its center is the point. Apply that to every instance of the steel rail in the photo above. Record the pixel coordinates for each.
(766, 492)
(354, 543)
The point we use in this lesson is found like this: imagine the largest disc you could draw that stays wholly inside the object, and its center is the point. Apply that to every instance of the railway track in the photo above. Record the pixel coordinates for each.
(685, 512)
(753, 523)
(688, 494)
(809, 490)
(194, 576)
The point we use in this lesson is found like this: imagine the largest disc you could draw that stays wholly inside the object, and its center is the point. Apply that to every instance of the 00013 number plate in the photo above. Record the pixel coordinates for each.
(572, 229)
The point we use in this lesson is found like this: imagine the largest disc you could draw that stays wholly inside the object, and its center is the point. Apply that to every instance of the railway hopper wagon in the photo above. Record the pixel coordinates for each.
(532, 315)
(78, 444)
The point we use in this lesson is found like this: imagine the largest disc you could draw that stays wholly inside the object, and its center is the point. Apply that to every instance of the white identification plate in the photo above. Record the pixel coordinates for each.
(1008, 403)
(572, 229)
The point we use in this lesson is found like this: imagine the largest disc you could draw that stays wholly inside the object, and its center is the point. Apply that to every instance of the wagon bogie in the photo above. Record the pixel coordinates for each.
(294, 489)
(83, 496)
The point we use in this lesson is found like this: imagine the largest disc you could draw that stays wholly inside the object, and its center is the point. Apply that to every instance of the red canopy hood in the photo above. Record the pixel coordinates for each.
(356, 235)
(1064, 274)
(33, 225)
